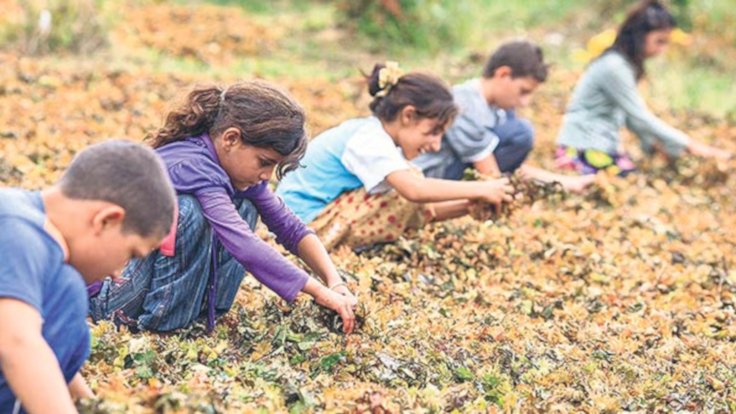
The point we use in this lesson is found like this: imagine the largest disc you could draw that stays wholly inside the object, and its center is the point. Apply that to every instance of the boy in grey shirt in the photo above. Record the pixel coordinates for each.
(486, 134)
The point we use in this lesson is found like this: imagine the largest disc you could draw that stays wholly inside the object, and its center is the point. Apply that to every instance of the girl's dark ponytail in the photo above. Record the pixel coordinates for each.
(373, 79)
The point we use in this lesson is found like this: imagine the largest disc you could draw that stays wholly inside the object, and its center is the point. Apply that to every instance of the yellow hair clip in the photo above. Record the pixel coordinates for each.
(388, 77)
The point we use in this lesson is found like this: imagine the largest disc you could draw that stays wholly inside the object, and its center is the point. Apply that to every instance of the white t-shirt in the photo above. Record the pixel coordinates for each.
(372, 155)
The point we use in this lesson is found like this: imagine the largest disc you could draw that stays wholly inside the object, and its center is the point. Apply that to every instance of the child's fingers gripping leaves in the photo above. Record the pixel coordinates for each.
(343, 305)
(498, 191)
(345, 309)
(347, 315)
(508, 190)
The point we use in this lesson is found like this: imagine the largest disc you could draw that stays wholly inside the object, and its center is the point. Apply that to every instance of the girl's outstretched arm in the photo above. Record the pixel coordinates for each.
(314, 254)
(701, 149)
(335, 295)
(424, 190)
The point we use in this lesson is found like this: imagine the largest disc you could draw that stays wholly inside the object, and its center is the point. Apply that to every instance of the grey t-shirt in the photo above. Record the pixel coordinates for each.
(470, 138)
(605, 99)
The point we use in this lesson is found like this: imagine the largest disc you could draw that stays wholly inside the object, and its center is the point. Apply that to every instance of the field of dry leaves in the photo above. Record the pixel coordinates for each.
(618, 300)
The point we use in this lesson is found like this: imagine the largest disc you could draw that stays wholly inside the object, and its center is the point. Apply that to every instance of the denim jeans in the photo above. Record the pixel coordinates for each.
(515, 141)
(161, 293)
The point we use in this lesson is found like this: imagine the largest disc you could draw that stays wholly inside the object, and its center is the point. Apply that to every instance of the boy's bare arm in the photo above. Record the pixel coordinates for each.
(574, 183)
(78, 388)
(28, 363)
(488, 166)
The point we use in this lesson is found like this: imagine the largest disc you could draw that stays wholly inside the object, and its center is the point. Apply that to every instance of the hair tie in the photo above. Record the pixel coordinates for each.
(388, 77)
(222, 96)
(220, 105)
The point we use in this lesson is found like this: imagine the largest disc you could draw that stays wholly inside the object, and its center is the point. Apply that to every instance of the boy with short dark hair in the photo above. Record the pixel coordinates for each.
(114, 202)
(486, 134)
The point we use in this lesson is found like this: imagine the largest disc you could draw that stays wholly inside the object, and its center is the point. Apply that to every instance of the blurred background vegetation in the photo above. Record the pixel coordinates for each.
(451, 37)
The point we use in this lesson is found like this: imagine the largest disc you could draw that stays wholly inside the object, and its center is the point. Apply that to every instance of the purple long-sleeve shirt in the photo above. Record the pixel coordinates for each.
(195, 169)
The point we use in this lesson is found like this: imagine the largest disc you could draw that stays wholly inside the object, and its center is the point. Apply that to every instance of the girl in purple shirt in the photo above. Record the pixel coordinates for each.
(220, 149)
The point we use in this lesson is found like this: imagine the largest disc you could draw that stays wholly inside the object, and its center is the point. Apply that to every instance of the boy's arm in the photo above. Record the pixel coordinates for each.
(488, 166)
(469, 138)
(79, 389)
(28, 363)
(573, 183)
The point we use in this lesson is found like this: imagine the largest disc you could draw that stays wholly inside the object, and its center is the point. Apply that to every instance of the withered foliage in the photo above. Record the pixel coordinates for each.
(619, 299)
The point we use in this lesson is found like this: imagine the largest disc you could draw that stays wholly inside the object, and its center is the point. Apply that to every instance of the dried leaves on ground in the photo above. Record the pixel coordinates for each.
(619, 299)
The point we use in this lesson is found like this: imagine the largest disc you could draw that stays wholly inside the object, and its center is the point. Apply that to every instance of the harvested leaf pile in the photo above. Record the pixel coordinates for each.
(620, 299)
(525, 192)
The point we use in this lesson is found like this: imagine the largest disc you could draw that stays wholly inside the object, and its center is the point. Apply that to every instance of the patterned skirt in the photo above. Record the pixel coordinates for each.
(358, 219)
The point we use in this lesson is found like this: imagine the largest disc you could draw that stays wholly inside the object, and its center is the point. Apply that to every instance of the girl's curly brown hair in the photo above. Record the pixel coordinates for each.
(266, 116)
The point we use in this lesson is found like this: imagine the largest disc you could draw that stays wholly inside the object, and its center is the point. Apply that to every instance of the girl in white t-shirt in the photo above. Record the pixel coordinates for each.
(357, 186)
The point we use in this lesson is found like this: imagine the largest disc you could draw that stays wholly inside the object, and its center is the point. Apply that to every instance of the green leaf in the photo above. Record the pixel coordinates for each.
(464, 374)
(297, 359)
(329, 361)
(144, 372)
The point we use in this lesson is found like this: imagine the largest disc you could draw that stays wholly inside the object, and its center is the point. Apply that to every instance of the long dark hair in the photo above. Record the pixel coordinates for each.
(648, 16)
(428, 94)
(266, 116)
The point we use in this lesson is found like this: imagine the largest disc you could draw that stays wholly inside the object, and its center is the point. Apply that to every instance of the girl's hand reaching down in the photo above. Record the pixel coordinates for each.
(342, 304)
(704, 150)
(339, 300)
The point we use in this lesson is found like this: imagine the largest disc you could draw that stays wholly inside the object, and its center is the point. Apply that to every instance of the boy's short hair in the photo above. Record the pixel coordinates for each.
(523, 57)
(128, 175)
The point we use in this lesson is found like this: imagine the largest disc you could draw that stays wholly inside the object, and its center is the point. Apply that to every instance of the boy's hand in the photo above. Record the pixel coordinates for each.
(497, 191)
(342, 304)
(577, 183)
